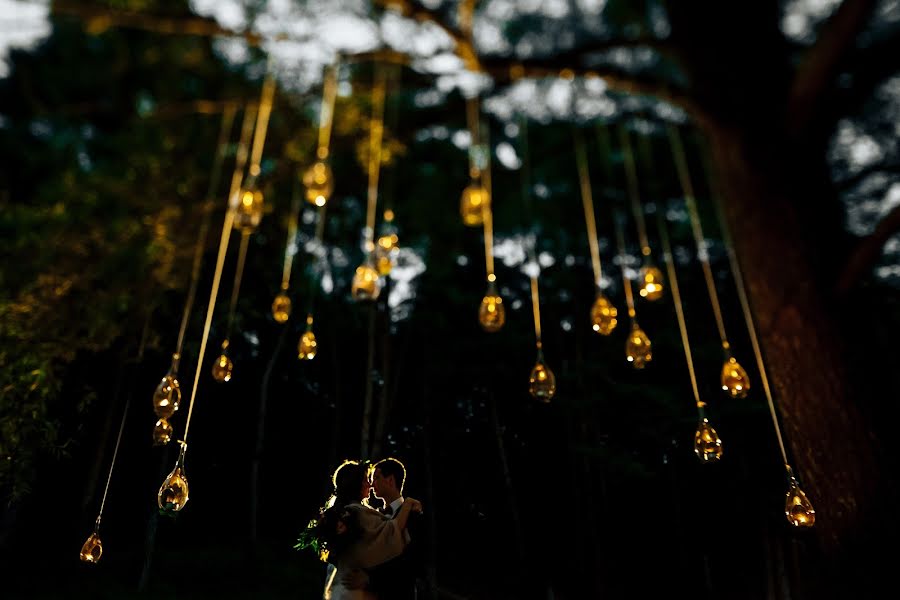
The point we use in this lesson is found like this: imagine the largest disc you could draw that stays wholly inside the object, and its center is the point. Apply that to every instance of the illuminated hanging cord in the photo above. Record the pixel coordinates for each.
(734, 379)
(318, 179)
(650, 276)
(798, 509)
(476, 198)
(281, 305)
(638, 348)
(707, 445)
(491, 312)
(247, 216)
(366, 281)
(541, 381)
(167, 395)
(173, 493)
(387, 245)
(604, 315)
(307, 347)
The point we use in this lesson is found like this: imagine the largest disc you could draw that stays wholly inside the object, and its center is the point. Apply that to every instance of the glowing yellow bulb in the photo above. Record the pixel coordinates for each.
(491, 313)
(167, 397)
(249, 211)
(603, 315)
(162, 432)
(652, 286)
(475, 200)
(638, 349)
(707, 445)
(366, 284)
(173, 494)
(734, 379)
(92, 549)
(306, 348)
(797, 508)
(222, 369)
(542, 382)
(281, 308)
(385, 248)
(319, 183)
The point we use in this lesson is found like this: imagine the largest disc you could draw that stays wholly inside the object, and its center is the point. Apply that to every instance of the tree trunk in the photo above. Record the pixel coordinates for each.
(829, 444)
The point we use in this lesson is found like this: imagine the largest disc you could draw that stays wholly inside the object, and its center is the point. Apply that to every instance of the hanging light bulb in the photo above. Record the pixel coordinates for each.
(707, 445)
(306, 348)
(223, 367)
(603, 315)
(249, 210)
(319, 183)
(281, 307)
(92, 549)
(491, 314)
(475, 200)
(366, 282)
(162, 432)
(638, 349)
(797, 508)
(651, 283)
(542, 381)
(173, 494)
(734, 378)
(385, 248)
(167, 396)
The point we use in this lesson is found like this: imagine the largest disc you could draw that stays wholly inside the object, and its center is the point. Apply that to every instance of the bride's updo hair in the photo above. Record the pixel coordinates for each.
(347, 481)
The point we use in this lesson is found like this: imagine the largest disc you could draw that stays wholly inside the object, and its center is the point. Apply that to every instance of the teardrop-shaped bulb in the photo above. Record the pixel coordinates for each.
(475, 200)
(92, 549)
(167, 396)
(734, 379)
(652, 286)
(797, 508)
(638, 349)
(281, 308)
(173, 494)
(366, 283)
(603, 315)
(306, 348)
(162, 432)
(319, 183)
(707, 445)
(249, 210)
(222, 369)
(542, 381)
(491, 314)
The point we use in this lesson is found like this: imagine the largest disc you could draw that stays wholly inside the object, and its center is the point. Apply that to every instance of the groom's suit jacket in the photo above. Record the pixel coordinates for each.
(396, 578)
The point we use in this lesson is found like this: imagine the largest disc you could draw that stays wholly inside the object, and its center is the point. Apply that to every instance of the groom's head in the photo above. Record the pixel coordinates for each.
(388, 479)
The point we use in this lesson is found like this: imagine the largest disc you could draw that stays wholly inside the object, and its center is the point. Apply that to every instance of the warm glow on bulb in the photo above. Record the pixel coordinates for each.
(92, 549)
(366, 284)
(306, 348)
(222, 369)
(249, 211)
(734, 379)
(707, 445)
(638, 349)
(166, 397)
(491, 313)
(173, 494)
(542, 382)
(603, 315)
(162, 432)
(797, 508)
(475, 200)
(651, 283)
(281, 308)
(319, 183)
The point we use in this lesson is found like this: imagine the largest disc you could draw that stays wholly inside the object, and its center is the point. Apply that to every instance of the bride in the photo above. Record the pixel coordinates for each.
(357, 537)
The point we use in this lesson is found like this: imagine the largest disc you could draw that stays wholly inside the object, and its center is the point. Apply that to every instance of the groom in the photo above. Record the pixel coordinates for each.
(396, 578)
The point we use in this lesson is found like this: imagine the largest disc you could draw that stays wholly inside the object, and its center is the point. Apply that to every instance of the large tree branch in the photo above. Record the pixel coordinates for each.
(867, 252)
(822, 62)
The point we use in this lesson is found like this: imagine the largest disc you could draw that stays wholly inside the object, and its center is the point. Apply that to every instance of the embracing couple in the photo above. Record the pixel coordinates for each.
(371, 553)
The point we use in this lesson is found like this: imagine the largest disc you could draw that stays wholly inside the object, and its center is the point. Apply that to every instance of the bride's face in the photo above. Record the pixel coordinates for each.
(364, 488)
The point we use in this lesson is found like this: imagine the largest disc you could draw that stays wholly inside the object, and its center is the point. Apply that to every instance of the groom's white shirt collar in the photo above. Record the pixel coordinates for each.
(395, 505)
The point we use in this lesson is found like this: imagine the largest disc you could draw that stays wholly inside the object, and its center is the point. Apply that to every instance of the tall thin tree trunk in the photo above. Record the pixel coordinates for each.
(260, 441)
(384, 404)
(428, 480)
(366, 429)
